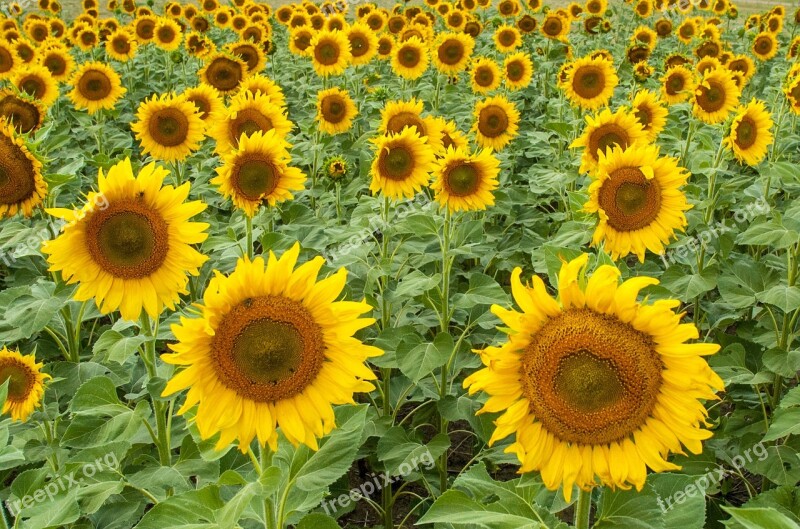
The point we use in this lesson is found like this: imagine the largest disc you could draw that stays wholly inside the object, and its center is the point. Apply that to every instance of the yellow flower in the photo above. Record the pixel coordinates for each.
(168, 127)
(485, 75)
(605, 130)
(410, 58)
(750, 135)
(765, 46)
(507, 38)
(518, 71)
(272, 349)
(398, 115)
(22, 187)
(595, 386)
(591, 82)
(167, 34)
(23, 114)
(402, 164)
(363, 43)
(464, 181)
(453, 51)
(223, 72)
(25, 384)
(247, 114)
(496, 122)
(650, 112)
(95, 87)
(715, 97)
(330, 53)
(206, 99)
(37, 82)
(129, 247)
(677, 85)
(121, 45)
(58, 61)
(335, 111)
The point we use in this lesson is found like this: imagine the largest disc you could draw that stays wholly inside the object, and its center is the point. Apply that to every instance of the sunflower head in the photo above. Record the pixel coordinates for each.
(604, 131)
(677, 84)
(24, 114)
(224, 72)
(96, 87)
(247, 114)
(496, 122)
(765, 46)
(464, 181)
(485, 75)
(452, 52)
(22, 187)
(37, 82)
(650, 113)
(336, 168)
(750, 135)
(402, 164)
(335, 111)
(590, 82)
(25, 383)
(330, 52)
(715, 97)
(169, 127)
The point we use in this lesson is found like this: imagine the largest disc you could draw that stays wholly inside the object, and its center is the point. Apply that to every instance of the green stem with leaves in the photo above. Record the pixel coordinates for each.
(249, 229)
(583, 510)
(159, 410)
(447, 265)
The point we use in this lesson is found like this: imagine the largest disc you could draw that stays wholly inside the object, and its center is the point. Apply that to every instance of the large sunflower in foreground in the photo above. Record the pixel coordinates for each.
(168, 127)
(590, 83)
(95, 87)
(22, 187)
(258, 172)
(496, 122)
(637, 196)
(750, 135)
(335, 111)
(25, 383)
(595, 386)
(272, 349)
(464, 181)
(605, 130)
(715, 97)
(650, 113)
(129, 247)
(329, 52)
(402, 164)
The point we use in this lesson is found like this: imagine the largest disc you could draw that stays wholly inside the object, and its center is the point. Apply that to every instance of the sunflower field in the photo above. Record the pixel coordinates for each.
(464, 264)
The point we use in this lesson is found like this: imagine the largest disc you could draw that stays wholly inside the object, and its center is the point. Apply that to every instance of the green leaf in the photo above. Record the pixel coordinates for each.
(784, 422)
(629, 509)
(791, 399)
(189, 510)
(772, 233)
(114, 346)
(61, 511)
(780, 465)
(784, 297)
(689, 286)
(86, 431)
(690, 513)
(98, 396)
(317, 521)
(232, 512)
(420, 361)
(456, 508)
(760, 518)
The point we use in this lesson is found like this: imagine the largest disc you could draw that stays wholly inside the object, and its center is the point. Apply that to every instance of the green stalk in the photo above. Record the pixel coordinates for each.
(583, 510)
(249, 227)
(261, 467)
(158, 406)
(445, 328)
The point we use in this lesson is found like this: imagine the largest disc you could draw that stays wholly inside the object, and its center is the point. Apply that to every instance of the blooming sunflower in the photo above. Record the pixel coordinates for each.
(330, 52)
(743, 64)
(453, 51)
(715, 97)
(168, 127)
(257, 172)
(485, 75)
(247, 114)
(144, 28)
(595, 385)
(58, 61)
(23, 114)
(765, 46)
(637, 196)
(496, 122)
(591, 82)
(605, 130)
(22, 187)
(410, 59)
(677, 85)
(8, 59)
(273, 348)
(300, 41)
(464, 181)
(792, 92)
(402, 164)
(37, 82)
(555, 26)
(167, 34)
(397, 115)
(223, 72)
(335, 111)
(207, 100)
(687, 30)
(251, 54)
(130, 247)
(25, 383)
(750, 135)
(451, 137)
(596, 7)
(518, 71)
(507, 39)
(650, 113)
(95, 86)
(363, 43)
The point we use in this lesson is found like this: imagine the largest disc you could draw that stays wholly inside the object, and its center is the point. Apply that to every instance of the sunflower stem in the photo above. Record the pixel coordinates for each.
(249, 228)
(583, 510)
(445, 327)
(158, 407)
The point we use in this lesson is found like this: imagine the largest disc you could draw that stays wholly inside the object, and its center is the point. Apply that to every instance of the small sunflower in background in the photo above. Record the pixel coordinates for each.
(650, 113)
(95, 87)
(452, 137)
(715, 97)
(130, 246)
(496, 122)
(25, 383)
(765, 46)
(253, 57)
(397, 115)
(8, 60)
(590, 83)
(507, 39)
(606, 383)
(742, 64)
(402, 164)
(485, 75)
(269, 88)
(330, 53)
(363, 43)
(386, 45)
(518, 68)
(247, 114)
(605, 130)
(410, 59)
(272, 349)
(23, 114)
(37, 82)
(465, 181)
(637, 196)
(555, 26)
(167, 34)
(168, 127)
(750, 136)
(335, 111)
(792, 93)
(224, 72)
(452, 52)
(677, 85)
(206, 99)
(58, 61)
(336, 168)
(22, 187)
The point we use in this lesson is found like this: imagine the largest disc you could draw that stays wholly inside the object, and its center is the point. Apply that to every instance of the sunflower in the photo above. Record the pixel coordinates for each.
(25, 384)
(23, 114)
(167, 34)
(677, 85)
(663, 27)
(591, 82)
(650, 113)
(22, 187)
(337, 23)
(259, 83)
(223, 72)
(363, 44)
(464, 181)
(792, 92)
(335, 111)
(386, 44)
(300, 40)
(706, 64)
(257, 172)
(330, 52)
(765, 46)
(636, 195)
(715, 97)
(58, 61)
(402, 164)
(144, 28)
(687, 30)
(207, 100)
(272, 348)
(485, 75)
(397, 115)
(336, 168)
(594, 385)
(555, 26)
(596, 7)
(9, 60)
(743, 64)
(496, 122)
(605, 130)
(452, 137)
(453, 52)
(646, 36)
(37, 82)
(95, 86)
(251, 54)
(168, 127)
(135, 252)
(247, 114)
(750, 135)
(507, 38)
(518, 69)
(121, 45)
